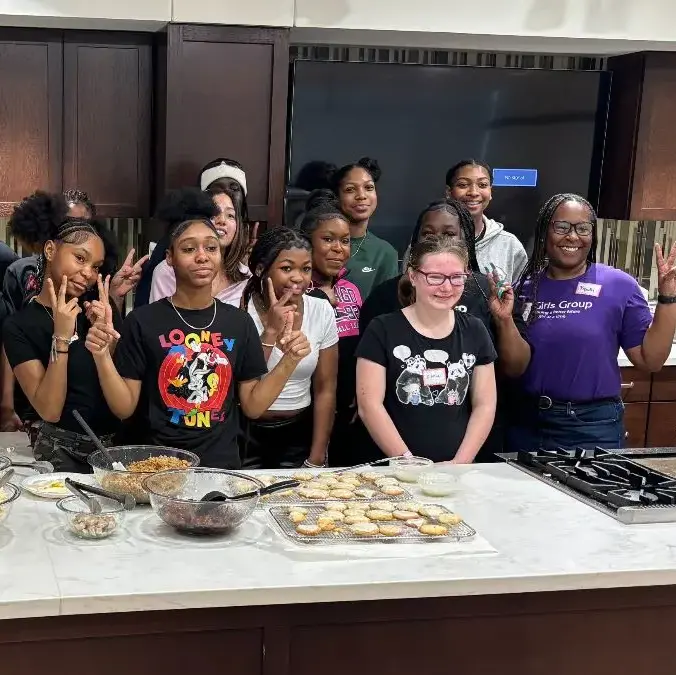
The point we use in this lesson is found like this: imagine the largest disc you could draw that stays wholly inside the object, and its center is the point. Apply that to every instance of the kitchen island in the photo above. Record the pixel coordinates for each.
(568, 590)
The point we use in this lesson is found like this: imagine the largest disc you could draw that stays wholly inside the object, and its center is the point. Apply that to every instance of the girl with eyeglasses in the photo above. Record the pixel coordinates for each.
(579, 314)
(425, 376)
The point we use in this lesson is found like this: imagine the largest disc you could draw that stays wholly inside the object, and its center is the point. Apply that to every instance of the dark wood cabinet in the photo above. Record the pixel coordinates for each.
(635, 385)
(640, 156)
(107, 120)
(635, 423)
(31, 81)
(222, 92)
(75, 112)
(661, 425)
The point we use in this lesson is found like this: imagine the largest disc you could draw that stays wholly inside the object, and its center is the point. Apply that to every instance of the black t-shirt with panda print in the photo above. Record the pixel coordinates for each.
(428, 380)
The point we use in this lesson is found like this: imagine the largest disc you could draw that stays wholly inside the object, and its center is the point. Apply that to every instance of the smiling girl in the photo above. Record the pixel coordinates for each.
(190, 359)
(425, 378)
(372, 259)
(297, 427)
(45, 346)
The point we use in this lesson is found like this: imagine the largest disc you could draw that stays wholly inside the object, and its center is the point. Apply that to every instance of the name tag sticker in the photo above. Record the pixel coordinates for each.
(588, 289)
(434, 377)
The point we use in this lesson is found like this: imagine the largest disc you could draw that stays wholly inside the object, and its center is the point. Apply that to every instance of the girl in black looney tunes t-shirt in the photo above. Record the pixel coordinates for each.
(193, 356)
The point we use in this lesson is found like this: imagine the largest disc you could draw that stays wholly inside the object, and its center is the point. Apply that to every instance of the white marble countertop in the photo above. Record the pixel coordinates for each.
(545, 541)
(625, 362)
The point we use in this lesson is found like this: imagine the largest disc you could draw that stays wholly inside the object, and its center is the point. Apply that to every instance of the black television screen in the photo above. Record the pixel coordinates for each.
(417, 121)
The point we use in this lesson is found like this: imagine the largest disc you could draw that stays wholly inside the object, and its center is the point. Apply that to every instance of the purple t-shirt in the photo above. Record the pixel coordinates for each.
(581, 325)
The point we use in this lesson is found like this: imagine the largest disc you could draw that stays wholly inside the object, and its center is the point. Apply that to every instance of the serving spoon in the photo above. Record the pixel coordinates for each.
(117, 466)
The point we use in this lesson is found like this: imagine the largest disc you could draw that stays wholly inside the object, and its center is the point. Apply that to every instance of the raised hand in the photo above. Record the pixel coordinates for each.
(666, 271)
(64, 311)
(280, 315)
(102, 334)
(253, 238)
(500, 307)
(295, 345)
(128, 276)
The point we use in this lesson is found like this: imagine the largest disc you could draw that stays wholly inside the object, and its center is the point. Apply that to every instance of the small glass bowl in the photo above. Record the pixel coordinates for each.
(86, 525)
(407, 469)
(437, 483)
(8, 495)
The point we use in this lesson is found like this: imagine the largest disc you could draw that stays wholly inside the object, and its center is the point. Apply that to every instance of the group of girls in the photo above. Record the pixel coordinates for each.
(308, 345)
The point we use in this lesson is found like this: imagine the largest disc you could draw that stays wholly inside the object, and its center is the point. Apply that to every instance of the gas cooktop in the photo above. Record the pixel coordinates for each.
(632, 486)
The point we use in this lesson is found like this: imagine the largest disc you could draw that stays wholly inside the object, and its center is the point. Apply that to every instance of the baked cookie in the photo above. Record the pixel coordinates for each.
(431, 511)
(389, 530)
(409, 506)
(366, 493)
(353, 520)
(336, 506)
(359, 506)
(313, 494)
(392, 490)
(297, 516)
(303, 476)
(405, 515)
(417, 523)
(364, 529)
(379, 515)
(386, 480)
(370, 476)
(335, 516)
(298, 509)
(382, 506)
(341, 493)
(449, 519)
(354, 512)
(308, 529)
(347, 475)
(326, 524)
(433, 530)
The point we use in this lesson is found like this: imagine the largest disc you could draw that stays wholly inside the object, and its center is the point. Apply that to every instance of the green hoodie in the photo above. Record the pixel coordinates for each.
(372, 261)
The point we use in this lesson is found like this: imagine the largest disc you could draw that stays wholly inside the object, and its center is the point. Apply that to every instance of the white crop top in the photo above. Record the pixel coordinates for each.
(319, 326)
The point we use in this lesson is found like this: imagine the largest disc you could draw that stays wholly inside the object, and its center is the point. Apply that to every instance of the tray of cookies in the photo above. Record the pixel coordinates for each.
(375, 521)
(342, 486)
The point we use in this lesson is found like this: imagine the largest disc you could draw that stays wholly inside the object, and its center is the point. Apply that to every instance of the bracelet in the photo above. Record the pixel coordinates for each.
(265, 344)
(61, 351)
(309, 465)
(61, 339)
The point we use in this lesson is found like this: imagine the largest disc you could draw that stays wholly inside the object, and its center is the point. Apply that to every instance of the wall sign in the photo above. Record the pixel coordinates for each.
(515, 177)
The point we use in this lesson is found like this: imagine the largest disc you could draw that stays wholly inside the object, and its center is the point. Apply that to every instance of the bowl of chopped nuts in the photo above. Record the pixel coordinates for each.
(140, 461)
(87, 525)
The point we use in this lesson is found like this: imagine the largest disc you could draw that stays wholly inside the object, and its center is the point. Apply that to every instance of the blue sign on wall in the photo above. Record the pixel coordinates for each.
(515, 177)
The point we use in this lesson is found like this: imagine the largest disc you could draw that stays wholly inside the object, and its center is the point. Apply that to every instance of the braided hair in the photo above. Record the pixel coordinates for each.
(322, 206)
(42, 217)
(538, 261)
(262, 257)
(458, 209)
(75, 197)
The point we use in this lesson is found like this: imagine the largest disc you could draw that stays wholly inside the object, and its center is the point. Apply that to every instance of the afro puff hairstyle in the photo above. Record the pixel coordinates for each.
(36, 219)
(185, 205)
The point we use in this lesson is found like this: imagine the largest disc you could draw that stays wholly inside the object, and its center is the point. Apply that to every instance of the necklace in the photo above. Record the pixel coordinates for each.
(213, 318)
(361, 243)
(37, 302)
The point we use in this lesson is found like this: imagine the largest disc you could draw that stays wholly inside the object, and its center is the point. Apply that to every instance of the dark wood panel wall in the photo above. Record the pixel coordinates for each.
(222, 92)
(639, 168)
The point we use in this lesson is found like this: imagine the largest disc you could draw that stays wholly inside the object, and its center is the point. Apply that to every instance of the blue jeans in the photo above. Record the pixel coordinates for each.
(597, 424)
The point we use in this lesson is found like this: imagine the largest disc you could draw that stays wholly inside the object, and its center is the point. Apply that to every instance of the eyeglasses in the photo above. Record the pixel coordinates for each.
(437, 279)
(581, 229)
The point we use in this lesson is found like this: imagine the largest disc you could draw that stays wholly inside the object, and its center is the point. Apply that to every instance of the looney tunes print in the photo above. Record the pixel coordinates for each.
(432, 378)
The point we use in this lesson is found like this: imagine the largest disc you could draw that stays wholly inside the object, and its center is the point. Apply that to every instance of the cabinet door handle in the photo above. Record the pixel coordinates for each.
(627, 385)
(626, 434)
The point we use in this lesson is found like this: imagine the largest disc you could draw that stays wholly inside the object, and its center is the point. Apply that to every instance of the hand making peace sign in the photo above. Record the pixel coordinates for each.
(281, 313)
(64, 312)
(666, 271)
(128, 276)
(102, 333)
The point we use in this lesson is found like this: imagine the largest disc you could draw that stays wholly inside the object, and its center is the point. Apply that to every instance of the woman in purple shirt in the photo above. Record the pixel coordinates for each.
(579, 314)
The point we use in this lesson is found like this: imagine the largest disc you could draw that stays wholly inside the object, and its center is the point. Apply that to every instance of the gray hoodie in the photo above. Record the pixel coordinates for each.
(497, 246)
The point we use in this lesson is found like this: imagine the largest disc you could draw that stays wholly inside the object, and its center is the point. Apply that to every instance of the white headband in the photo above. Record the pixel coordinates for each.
(223, 170)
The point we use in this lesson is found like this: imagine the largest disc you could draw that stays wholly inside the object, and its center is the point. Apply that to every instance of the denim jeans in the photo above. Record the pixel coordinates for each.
(597, 424)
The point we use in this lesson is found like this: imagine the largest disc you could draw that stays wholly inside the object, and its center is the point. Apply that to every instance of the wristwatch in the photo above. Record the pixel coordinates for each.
(666, 299)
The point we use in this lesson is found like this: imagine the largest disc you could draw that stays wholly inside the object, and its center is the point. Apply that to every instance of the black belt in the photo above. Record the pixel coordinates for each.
(546, 402)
